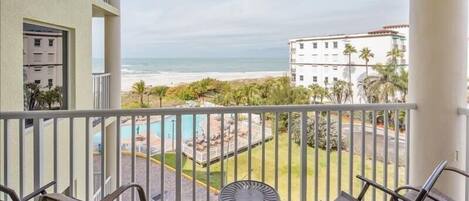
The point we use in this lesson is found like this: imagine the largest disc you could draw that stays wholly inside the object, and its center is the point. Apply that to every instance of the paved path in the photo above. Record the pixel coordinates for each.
(155, 181)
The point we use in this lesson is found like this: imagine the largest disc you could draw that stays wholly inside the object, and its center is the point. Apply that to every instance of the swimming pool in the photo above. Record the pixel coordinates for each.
(155, 128)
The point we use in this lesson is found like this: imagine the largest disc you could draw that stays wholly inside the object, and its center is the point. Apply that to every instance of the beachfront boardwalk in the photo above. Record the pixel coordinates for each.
(155, 181)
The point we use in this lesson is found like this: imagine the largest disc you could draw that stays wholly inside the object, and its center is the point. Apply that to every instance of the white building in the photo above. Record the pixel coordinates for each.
(42, 58)
(320, 60)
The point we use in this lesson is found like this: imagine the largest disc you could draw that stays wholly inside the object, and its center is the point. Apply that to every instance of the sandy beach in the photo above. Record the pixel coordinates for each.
(175, 78)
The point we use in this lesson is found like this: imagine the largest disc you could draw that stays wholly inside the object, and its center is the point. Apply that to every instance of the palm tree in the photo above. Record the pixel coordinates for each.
(159, 91)
(370, 95)
(395, 54)
(264, 90)
(317, 92)
(237, 96)
(205, 87)
(299, 95)
(139, 89)
(281, 91)
(349, 50)
(385, 84)
(32, 93)
(249, 91)
(223, 99)
(402, 83)
(49, 97)
(366, 55)
(340, 92)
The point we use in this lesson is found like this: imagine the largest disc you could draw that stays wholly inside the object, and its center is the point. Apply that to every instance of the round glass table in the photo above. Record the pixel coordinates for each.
(248, 190)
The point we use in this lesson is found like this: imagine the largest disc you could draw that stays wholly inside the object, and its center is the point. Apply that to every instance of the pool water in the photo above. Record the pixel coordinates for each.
(155, 128)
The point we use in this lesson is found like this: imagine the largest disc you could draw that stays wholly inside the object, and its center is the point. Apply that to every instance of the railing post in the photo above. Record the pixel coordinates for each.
(5, 153)
(38, 152)
(304, 160)
(88, 169)
(179, 157)
(467, 157)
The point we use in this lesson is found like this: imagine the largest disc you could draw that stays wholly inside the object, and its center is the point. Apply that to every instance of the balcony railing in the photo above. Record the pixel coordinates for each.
(101, 90)
(107, 189)
(465, 112)
(306, 152)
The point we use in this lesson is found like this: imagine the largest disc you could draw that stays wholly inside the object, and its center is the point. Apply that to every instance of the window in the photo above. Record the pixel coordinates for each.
(326, 57)
(326, 44)
(45, 64)
(334, 68)
(37, 42)
(335, 79)
(326, 80)
(315, 78)
(50, 57)
(335, 58)
(315, 58)
(37, 57)
(301, 77)
(302, 45)
(315, 45)
(336, 44)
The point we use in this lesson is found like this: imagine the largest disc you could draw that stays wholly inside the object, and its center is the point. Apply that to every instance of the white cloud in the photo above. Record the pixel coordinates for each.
(205, 28)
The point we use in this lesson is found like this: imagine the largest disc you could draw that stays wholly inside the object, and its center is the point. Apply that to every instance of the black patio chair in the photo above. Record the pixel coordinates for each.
(44, 196)
(111, 197)
(434, 194)
(14, 197)
(422, 194)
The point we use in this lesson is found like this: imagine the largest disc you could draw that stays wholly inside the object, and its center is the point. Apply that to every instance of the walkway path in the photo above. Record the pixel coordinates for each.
(155, 181)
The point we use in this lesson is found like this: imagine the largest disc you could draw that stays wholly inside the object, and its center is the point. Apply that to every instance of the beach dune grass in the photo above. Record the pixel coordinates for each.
(256, 173)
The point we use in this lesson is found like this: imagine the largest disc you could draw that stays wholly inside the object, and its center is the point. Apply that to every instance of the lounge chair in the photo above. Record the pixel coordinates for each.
(44, 196)
(14, 197)
(111, 197)
(434, 193)
(422, 194)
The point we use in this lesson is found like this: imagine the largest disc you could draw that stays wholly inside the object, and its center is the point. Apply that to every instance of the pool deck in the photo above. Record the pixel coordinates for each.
(201, 156)
(229, 135)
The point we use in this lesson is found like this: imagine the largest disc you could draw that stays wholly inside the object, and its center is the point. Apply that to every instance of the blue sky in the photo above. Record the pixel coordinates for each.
(240, 28)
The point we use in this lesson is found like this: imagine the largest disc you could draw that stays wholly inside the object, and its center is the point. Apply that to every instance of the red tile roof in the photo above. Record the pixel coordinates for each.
(395, 26)
(383, 31)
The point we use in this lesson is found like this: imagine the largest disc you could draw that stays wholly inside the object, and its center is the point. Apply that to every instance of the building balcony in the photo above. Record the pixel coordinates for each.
(101, 90)
(103, 8)
(212, 145)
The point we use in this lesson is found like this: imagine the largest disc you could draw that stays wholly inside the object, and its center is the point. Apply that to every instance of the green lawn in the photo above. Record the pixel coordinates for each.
(295, 172)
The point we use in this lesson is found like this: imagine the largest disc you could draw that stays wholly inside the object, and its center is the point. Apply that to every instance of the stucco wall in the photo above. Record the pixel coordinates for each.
(75, 17)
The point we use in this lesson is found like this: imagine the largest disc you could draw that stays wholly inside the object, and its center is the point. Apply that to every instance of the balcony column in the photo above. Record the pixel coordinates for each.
(437, 83)
(112, 55)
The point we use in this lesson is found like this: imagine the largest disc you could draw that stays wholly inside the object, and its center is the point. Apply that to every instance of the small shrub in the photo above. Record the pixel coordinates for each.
(322, 134)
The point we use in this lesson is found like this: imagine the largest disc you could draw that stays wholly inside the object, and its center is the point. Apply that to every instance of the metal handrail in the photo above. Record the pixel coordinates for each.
(203, 110)
(101, 90)
(249, 124)
(101, 74)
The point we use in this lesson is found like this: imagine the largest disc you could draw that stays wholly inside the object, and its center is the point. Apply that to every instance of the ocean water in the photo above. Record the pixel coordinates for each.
(196, 65)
